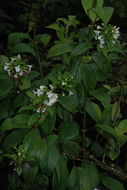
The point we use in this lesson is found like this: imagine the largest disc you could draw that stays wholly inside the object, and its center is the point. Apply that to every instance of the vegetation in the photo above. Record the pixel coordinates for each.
(63, 95)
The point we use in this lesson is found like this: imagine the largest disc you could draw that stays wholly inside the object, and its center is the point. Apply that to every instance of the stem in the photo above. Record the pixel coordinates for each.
(34, 38)
(84, 127)
(92, 160)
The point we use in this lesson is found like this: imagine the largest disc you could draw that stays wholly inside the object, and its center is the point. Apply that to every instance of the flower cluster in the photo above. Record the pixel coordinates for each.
(66, 83)
(44, 98)
(106, 34)
(17, 67)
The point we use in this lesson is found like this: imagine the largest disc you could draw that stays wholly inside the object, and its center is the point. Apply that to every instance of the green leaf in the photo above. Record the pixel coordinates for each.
(93, 110)
(71, 149)
(87, 4)
(29, 173)
(111, 183)
(108, 129)
(60, 175)
(14, 138)
(78, 180)
(19, 121)
(34, 146)
(113, 155)
(105, 13)
(22, 48)
(69, 103)
(99, 3)
(88, 73)
(17, 37)
(101, 95)
(115, 112)
(122, 128)
(33, 119)
(92, 174)
(68, 130)
(59, 49)
(43, 38)
(6, 85)
(51, 157)
(81, 48)
(49, 124)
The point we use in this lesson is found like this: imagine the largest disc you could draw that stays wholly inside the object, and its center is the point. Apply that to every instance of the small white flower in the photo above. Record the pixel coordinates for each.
(9, 72)
(70, 93)
(38, 110)
(6, 67)
(51, 86)
(19, 56)
(17, 69)
(64, 83)
(42, 87)
(98, 27)
(29, 67)
(21, 73)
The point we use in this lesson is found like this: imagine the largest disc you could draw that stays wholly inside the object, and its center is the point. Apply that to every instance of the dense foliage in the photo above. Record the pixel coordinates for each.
(63, 96)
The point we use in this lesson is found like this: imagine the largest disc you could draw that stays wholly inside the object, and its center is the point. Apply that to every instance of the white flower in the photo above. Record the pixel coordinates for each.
(6, 67)
(51, 86)
(9, 72)
(42, 87)
(64, 83)
(38, 110)
(17, 69)
(70, 93)
(96, 189)
(98, 27)
(19, 56)
(16, 76)
(29, 66)
(21, 73)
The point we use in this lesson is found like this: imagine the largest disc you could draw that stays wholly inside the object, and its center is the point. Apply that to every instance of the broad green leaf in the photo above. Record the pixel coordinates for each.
(78, 180)
(113, 155)
(19, 121)
(6, 109)
(92, 174)
(60, 175)
(49, 124)
(6, 85)
(105, 13)
(93, 110)
(108, 129)
(54, 26)
(14, 138)
(20, 100)
(68, 130)
(115, 113)
(88, 74)
(22, 48)
(7, 124)
(101, 95)
(81, 48)
(87, 4)
(17, 37)
(34, 146)
(33, 119)
(69, 102)
(92, 15)
(59, 49)
(122, 128)
(43, 38)
(99, 3)
(111, 183)
(51, 157)
(71, 149)
(29, 173)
